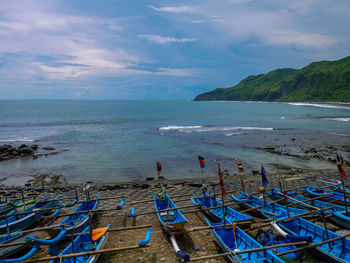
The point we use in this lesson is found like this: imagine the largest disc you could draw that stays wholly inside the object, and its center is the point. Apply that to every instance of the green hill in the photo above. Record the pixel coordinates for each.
(319, 81)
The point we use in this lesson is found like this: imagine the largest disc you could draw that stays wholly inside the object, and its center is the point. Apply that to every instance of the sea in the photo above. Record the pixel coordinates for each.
(121, 141)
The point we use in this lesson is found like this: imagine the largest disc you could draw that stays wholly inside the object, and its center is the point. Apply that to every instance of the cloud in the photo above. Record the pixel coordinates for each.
(176, 9)
(165, 40)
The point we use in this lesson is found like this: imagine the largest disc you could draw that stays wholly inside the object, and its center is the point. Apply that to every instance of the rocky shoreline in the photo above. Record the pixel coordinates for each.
(10, 152)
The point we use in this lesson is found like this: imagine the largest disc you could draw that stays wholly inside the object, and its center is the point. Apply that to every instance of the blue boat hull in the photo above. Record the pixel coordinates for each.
(225, 238)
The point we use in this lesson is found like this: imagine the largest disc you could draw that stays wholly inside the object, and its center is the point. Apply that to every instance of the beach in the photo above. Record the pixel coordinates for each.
(160, 249)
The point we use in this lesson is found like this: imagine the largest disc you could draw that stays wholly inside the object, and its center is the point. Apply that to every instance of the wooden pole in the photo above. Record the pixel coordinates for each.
(249, 250)
(77, 234)
(313, 245)
(300, 202)
(295, 216)
(345, 201)
(33, 230)
(89, 253)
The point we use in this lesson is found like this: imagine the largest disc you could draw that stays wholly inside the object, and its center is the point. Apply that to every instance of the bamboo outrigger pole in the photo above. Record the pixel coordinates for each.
(77, 234)
(249, 250)
(313, 245)
(89, 253)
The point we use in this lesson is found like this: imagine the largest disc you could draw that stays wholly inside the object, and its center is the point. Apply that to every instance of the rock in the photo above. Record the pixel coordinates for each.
(255, 172)
(149, 178)
(4, 148)
(26, 150)
(34, 147)
(293, 139)
(48, 148)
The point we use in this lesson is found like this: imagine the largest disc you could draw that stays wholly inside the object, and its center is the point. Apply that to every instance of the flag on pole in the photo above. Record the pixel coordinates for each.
(223, 190)
(342, 172)
(240, 167)
(339, 163)
(263, 176)
(159, 168)
(201, 161)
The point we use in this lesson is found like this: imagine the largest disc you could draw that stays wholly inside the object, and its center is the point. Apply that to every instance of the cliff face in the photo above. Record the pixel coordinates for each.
(319, 81)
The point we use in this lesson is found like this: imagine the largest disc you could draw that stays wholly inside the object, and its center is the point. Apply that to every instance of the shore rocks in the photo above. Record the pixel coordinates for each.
(8, 152)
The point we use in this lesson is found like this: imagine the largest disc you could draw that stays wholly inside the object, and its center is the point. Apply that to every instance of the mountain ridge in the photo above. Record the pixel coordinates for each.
(322, 81)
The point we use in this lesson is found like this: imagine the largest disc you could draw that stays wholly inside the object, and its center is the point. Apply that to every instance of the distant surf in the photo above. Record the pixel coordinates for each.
(24, 139)
(319, 105)
(339, 119)
(189, 129)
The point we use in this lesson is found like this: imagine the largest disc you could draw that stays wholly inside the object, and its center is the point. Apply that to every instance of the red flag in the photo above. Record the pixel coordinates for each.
(201, 161)
(342, 173)
(240, 167)
(159, 168)
(223, 190)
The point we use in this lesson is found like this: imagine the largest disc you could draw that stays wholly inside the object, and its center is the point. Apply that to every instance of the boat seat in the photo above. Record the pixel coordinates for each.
(88, 246)
(255, 260)
(168, 216)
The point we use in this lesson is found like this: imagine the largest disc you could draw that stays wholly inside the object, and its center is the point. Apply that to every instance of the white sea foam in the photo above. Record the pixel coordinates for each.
(172, 127)
(282, 118)
(339, 134)
(339, 119)
(319, 105)
(189, 129)
(236, 133)
(24, 139)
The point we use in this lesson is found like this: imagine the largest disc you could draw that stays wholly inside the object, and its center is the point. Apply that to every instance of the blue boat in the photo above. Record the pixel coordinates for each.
(336, 251)
(325, 195)
(22, 221)
(231, 215)
(83, 243)
(5, 207)
(172, 221)
(76, 222)
(266, 208)
(15, 237)
(230, 242)
(275, 194)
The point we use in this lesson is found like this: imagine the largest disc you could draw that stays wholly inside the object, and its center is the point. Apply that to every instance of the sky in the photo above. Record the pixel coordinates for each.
(125, 49)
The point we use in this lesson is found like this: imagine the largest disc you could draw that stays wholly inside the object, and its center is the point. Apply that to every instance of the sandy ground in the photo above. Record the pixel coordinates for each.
(160, 248)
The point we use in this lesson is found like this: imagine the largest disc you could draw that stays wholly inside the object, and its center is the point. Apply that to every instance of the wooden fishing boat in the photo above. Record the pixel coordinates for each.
(18, 237)
(336, 251)
(231, 215)
(264, 208)
(76, 222)
(172, 221)
(84, 243)
(5, 207)
(325, 195)
(275, 195)
(340, 218)
(22, 221)
(231, 240)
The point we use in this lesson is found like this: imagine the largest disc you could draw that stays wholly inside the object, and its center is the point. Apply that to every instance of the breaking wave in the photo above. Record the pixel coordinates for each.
(339, 119)
(319, 105)
(24, 139)
(189, 129)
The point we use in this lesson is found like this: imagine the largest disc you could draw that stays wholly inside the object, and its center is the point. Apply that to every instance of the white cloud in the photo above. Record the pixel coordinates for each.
(176, 9)
(165, 40)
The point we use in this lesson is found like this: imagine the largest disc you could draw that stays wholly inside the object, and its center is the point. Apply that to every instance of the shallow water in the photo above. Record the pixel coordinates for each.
(122, 140)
